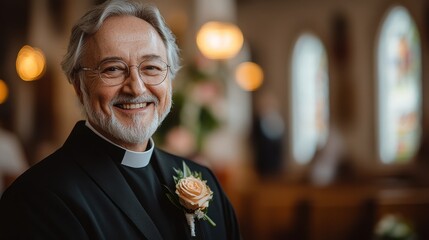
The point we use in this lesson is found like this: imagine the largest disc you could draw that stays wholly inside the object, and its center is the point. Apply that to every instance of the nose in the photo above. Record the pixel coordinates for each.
(134, 84)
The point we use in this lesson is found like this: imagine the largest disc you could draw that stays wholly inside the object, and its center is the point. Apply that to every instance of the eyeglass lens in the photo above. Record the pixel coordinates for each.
(115, 72)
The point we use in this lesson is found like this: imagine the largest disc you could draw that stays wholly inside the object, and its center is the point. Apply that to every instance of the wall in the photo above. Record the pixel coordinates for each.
(348, 30)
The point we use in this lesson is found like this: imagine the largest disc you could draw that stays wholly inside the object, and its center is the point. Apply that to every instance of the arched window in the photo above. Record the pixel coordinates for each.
(310, 97)
(399, 76)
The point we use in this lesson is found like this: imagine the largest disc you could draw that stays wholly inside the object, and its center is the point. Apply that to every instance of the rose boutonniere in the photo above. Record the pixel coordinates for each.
(192, 195)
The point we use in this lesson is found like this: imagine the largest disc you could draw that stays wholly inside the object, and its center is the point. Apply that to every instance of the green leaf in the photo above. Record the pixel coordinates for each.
(186, 171)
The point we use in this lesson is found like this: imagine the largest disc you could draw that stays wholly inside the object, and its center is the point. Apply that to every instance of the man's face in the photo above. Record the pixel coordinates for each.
(128, 113)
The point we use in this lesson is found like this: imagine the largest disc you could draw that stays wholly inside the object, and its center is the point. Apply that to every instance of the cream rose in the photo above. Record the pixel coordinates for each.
(193, 193)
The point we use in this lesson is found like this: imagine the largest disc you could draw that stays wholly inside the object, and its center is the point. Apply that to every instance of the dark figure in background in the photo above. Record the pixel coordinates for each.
(267, 136)
(106, 181)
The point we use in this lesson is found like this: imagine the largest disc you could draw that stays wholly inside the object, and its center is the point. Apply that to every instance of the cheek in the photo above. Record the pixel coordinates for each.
(99, 97)
(163, 94)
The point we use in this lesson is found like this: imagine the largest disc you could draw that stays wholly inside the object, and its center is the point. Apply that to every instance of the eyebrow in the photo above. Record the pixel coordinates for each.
(142, 58)
(151, 57)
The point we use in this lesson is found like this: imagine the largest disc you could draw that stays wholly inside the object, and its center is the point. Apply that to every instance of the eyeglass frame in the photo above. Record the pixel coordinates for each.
(128, 67)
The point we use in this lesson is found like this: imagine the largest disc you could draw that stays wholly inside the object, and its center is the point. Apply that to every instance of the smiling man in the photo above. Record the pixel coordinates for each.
(132, 98)
(108, 180)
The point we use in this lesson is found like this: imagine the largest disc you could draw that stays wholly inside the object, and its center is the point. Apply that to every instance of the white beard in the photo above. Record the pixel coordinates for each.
(137, 132)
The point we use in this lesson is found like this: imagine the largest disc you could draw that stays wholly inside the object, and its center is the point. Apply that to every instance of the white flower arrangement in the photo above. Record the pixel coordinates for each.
(393, 227)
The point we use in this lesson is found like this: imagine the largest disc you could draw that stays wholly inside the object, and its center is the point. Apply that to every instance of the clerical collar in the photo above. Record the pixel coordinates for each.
(131, 158)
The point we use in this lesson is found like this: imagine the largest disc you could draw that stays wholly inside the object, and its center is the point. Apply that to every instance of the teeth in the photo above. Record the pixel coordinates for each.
(134, 105)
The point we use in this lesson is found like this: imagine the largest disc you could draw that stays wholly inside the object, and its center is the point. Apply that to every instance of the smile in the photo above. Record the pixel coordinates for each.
(129, 106)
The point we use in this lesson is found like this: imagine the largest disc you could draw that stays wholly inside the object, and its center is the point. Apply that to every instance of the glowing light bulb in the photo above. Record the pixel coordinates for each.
(4, 91)
(249, 76)
(219, 40)
(30, 63)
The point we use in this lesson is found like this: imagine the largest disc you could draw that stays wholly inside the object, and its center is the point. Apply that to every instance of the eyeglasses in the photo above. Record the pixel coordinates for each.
(115, 72)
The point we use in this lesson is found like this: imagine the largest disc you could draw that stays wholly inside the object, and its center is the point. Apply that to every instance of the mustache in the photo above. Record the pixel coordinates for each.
(139, 99)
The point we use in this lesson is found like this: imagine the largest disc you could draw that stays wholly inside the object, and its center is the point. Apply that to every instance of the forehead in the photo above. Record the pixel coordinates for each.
(125, 37)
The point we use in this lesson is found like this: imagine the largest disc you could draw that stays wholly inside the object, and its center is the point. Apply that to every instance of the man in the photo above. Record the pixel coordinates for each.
(107, 180)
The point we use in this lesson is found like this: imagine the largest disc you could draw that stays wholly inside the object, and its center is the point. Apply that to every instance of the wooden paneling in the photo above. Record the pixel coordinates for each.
(275, 211)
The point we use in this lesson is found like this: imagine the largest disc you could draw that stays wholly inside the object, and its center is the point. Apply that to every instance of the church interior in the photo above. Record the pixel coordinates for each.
(313, 114)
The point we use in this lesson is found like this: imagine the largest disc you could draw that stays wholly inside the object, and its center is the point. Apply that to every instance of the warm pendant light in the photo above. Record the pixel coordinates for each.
(219, 40)
(30, 63)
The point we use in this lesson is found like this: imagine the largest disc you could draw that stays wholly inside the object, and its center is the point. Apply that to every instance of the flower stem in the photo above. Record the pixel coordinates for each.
(210, 220)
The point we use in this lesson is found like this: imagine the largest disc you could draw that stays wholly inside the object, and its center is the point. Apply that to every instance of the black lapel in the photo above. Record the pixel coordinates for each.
(166, 165)
(100, 167)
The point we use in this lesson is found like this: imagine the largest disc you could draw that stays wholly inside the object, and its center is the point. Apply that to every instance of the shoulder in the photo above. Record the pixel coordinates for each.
(49, 173)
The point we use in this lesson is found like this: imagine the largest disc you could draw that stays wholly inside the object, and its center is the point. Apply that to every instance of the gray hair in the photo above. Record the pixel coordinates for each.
(92, 21)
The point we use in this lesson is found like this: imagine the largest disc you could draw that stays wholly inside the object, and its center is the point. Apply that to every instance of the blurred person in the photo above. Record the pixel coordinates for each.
(108, 180)
(268, 132)
(12, 159)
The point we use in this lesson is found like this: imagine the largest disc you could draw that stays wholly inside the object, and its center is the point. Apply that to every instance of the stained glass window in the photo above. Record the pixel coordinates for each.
(399, 87)
(310, 97)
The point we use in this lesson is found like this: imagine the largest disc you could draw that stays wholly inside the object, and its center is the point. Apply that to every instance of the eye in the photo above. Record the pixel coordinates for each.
(152, 68)
(112, 69)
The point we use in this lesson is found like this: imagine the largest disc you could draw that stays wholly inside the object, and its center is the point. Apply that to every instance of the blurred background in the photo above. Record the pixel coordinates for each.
(313, 114)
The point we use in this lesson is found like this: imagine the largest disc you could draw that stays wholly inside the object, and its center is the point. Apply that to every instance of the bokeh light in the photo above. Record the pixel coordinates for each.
(219, 40)
(4, 91)
(30, 63)
(249, 76)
